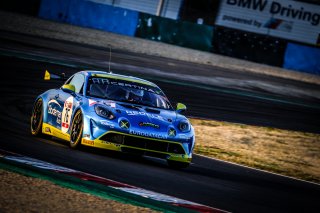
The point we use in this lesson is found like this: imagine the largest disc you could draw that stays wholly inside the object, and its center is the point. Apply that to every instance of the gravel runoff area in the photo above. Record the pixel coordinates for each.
(291, 153)
(50, 29)
(26, 194)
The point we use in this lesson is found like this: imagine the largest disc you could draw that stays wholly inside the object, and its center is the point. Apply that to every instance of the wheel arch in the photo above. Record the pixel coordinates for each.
(76, 109)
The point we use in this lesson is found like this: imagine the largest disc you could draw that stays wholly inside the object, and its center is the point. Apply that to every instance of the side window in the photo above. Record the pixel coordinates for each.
(68, 81)
(77, 81)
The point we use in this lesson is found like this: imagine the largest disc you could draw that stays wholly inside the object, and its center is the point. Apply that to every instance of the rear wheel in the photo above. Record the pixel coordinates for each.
(76, 130)
(36, 118)
(177, 164)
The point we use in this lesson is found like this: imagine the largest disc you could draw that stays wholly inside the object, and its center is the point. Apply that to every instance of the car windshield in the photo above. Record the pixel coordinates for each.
(127, 91)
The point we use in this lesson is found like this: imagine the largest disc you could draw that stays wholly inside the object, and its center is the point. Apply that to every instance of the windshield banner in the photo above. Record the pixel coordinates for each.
(106, 81)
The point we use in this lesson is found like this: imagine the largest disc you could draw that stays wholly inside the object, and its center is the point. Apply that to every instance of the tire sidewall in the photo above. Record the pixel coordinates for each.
(77, 142)
(38, 130)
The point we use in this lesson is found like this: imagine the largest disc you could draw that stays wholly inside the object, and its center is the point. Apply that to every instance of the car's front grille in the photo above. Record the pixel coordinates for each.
(143, 143)
(142, 152)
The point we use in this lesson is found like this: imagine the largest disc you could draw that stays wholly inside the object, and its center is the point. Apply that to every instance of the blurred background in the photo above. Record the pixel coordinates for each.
(282, 33)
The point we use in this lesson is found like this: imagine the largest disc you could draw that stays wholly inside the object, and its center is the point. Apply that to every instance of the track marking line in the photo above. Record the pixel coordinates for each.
(170, 200)
(260, 170)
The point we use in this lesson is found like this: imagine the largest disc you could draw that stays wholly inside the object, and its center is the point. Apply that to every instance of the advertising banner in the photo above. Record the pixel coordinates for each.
(286, 19)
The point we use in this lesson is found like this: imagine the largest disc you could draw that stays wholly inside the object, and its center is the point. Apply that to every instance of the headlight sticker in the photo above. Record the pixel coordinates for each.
(111, 104)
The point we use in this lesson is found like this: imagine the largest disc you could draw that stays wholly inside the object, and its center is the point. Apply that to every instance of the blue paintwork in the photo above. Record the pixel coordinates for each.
(91, 14)
(95, 126)
(302, 58)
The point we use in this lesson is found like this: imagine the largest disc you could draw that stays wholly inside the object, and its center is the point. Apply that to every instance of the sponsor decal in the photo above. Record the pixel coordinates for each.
(117, 83)
(172, 132)
(124, 124)
(54, 101)
(292, 20)
(47, 129)
(287, 10)
(148, 134)
(183, 136)
(107, 123)
(110, 143)
(147, 124)
(106, 142)
(87, 142)
(92, 102)
(66, 114)
(135, 113)
(53, 111)
(110, 104)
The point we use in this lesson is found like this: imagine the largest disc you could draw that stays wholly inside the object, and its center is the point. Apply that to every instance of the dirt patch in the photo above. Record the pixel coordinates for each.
(25, 194)
(291, 153)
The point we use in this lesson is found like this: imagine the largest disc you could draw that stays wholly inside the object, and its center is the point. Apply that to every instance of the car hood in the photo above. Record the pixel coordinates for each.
(142, 117)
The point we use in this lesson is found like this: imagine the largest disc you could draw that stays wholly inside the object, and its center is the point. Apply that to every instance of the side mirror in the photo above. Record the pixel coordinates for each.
(181, 108)
(69, 88)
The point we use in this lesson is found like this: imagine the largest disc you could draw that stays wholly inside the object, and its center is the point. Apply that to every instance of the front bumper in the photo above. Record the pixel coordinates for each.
(123, 142)
(109, 135)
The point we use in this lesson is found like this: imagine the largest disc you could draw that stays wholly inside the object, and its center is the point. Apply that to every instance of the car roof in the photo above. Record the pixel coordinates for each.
(105, 74)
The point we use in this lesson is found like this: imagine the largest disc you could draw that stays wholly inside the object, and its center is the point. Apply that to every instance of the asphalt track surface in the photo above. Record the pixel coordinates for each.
(206, 181)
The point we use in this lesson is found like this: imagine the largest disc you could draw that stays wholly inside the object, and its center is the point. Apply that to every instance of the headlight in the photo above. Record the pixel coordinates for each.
(184, 126)
(104, 112)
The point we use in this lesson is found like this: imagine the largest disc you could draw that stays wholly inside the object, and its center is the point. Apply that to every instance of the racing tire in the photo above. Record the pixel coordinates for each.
(177, 164)
(37, 118)
(76, 130)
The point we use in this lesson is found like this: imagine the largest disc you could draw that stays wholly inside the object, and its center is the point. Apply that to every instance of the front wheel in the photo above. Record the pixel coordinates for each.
(76, 130)
(177, 164)
(36, 118)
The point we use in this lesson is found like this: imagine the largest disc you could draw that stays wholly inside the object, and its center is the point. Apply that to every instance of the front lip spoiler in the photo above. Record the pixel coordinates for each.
(142, 151)
(135, 150)
(141, 142)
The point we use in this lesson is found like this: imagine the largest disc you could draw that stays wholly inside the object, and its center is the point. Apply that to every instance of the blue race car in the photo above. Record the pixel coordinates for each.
(115, 112)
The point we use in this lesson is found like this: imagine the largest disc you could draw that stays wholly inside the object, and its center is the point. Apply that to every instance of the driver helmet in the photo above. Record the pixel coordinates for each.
(134, 95)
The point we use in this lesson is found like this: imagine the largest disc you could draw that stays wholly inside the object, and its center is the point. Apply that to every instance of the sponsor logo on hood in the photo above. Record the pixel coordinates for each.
(136, 113)
(148, 124)
(109, 103)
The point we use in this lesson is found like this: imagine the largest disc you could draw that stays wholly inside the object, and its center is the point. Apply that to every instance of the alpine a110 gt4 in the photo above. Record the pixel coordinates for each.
(115, 112)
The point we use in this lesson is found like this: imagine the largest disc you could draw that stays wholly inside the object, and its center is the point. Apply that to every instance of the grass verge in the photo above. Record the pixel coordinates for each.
(291, 153)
